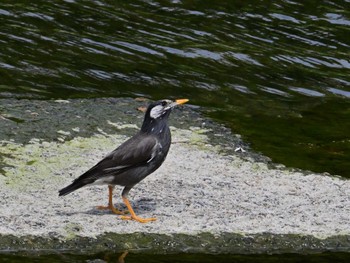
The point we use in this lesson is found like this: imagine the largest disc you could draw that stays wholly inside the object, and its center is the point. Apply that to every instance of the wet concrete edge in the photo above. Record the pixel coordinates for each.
(230, 243)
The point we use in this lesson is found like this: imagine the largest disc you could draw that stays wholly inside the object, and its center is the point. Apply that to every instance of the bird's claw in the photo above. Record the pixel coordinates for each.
(112, 208)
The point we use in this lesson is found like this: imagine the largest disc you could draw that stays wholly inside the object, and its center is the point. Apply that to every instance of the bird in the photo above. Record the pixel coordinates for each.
(133, 160)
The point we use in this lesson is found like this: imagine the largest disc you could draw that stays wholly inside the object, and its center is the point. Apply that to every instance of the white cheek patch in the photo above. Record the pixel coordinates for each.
(157, 111)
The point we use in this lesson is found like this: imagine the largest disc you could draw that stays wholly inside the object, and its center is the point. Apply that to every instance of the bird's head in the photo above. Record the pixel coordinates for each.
(160, 110)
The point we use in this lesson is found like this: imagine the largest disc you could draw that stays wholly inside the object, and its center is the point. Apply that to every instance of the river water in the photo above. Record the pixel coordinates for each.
(175, 258)
(276, 72)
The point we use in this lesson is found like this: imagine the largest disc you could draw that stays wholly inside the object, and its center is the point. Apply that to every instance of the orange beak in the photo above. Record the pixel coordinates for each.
(181, 101)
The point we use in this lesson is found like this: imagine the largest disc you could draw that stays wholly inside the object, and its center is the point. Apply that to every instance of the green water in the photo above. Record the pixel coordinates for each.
(179, 258)
(276, 72)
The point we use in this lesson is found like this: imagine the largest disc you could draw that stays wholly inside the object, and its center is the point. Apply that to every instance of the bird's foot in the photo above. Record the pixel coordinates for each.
(113, 209)
(139, 219)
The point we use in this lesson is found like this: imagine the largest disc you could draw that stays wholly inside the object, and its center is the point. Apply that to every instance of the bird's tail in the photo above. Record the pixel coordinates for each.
(70, 188)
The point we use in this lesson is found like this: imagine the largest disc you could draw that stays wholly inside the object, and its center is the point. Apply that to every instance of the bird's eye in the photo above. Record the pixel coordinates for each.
(164, 103)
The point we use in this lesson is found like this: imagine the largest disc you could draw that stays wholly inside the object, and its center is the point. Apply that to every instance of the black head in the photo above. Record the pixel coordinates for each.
(159, 111)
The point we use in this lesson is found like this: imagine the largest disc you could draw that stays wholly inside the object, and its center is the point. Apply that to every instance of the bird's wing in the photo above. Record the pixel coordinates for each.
(138, 150)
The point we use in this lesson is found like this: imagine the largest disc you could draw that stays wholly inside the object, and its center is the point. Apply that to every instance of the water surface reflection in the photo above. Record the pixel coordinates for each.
(276, 72)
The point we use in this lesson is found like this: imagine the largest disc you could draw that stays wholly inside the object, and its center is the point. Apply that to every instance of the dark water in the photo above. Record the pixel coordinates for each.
(276, 72)
(179, 258)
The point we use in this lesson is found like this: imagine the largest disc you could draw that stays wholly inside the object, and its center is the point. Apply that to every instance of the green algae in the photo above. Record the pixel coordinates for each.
(72, 230)
(27, 165)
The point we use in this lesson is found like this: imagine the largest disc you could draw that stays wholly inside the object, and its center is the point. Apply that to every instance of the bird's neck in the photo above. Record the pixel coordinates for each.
(155, 126)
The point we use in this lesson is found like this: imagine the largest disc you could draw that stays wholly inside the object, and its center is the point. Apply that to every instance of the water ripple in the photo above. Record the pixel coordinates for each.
(339, 92)
(138, 48)
(307, 92)
(337, 19)
(286, 18)
(104, 46)
(259, 56)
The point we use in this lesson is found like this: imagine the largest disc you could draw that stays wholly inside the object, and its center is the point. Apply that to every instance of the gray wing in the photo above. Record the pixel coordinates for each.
(137, 151)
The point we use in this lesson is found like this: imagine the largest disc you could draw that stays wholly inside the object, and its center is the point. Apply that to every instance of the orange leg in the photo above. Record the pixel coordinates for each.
(110, 203)
(133, 216)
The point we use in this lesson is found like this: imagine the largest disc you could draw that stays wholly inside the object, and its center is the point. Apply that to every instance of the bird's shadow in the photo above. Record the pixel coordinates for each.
(141, 206)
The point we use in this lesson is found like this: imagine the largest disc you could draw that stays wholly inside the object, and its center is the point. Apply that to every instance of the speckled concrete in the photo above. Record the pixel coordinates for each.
(198, 190)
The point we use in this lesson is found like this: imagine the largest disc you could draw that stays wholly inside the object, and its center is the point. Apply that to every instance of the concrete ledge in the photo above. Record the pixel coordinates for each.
(225, 243)
(207, 197)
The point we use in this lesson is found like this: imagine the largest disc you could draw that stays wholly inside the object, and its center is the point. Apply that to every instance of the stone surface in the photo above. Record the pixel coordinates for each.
(206, 197)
